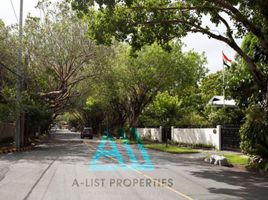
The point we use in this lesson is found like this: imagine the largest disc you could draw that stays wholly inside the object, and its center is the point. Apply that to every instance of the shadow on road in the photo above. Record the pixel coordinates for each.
(252, 186)
(70, 149)
(63, 147)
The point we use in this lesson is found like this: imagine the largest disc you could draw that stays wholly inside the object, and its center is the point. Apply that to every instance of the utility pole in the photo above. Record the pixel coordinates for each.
(223, 80)
(19, 131)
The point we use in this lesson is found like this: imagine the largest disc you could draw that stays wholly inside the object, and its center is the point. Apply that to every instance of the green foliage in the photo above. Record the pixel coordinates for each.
(6, 113)
(193, 146)
(254, 134)
(155, 21)
(38, 118)
(225, 115)
(211, 85)
(237, 159)
(8, 106)
(8, 60)
(60, 55)
(71, 120)
(93, 113)
(132, 82)
(257, 163)
(251, 45)
(145, 22)
(8, 56)
(250, 98)
(164, 110)
(192, 119)
(171, 149)
(173, 110)
(241, 83)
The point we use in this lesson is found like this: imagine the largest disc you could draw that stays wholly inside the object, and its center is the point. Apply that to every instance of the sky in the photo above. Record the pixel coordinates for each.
(198, 42)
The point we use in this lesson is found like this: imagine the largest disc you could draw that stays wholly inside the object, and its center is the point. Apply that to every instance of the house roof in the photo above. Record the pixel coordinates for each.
(219, 101)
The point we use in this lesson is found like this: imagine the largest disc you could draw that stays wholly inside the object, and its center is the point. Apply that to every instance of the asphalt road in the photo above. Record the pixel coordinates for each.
(60, 170)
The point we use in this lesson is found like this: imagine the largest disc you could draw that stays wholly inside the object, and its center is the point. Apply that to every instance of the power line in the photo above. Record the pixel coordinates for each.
(14, 11)
(9, 69)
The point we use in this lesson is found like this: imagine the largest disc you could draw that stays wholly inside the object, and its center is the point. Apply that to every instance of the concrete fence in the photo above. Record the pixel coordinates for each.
(208, 136)
(7, 130)
(151, 133)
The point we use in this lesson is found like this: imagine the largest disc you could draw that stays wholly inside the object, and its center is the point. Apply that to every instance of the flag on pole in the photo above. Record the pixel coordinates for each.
(226, 61)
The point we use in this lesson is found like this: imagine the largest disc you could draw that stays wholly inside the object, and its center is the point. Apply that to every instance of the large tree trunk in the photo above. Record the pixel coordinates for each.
(134, 117)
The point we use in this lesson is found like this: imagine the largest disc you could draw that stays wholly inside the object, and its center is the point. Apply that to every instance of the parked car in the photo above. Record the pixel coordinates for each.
(87, 132)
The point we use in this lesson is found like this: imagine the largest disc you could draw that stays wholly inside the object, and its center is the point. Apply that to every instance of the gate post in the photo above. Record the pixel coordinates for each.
(219, 136)
(160, 134)
(172, 133)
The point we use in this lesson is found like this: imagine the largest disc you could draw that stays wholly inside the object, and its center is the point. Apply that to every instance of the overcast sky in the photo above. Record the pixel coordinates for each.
(200, 43)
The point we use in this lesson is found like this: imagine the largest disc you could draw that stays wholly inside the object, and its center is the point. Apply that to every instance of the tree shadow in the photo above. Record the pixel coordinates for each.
(241, 185)
(67, 151)
(252, 186)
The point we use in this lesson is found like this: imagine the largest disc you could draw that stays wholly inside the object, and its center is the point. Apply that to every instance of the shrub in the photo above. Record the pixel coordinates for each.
(254, 132)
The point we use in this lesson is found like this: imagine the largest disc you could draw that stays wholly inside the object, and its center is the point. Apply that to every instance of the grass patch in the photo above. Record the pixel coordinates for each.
(236, 159)
(128, 141)
(193, 146)
(170, 149)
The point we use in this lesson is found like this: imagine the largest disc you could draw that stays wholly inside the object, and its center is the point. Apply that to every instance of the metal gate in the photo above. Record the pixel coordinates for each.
(230, 138)
(166, 134)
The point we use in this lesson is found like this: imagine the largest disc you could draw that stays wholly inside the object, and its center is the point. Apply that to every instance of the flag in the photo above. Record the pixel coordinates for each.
(226, 60)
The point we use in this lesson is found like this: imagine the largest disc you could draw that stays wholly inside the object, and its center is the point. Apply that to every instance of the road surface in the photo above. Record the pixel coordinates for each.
(59, 170)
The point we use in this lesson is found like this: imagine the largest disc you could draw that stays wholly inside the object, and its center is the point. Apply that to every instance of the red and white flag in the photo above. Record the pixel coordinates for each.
(226, 60)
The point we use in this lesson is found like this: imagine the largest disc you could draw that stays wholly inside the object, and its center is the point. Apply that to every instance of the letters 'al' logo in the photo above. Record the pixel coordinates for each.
(114, 154)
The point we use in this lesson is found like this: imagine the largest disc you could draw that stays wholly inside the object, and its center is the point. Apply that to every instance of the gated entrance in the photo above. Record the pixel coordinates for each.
(230, 138)
(166, 134)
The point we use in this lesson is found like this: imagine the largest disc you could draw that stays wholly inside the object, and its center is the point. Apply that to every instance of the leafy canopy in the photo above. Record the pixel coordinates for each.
(141, 22)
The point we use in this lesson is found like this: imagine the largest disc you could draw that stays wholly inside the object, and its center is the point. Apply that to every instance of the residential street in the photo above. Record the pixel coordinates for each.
(60, 170)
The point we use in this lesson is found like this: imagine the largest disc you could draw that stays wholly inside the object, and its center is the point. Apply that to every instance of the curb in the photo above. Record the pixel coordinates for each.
(13, 149)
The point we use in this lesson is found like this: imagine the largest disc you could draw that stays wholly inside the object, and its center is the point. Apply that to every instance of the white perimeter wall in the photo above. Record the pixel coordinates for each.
(210, 136)
(152, 133)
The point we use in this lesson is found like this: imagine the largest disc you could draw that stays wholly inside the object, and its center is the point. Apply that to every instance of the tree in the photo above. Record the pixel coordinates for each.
(8, 56)
(59, 55)
(91, 114)
(8, 74)
(212, 85)
(163, 111)
(254, 135)
(241, 84)
(132, 82)
(144, 22)
(36, 115)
